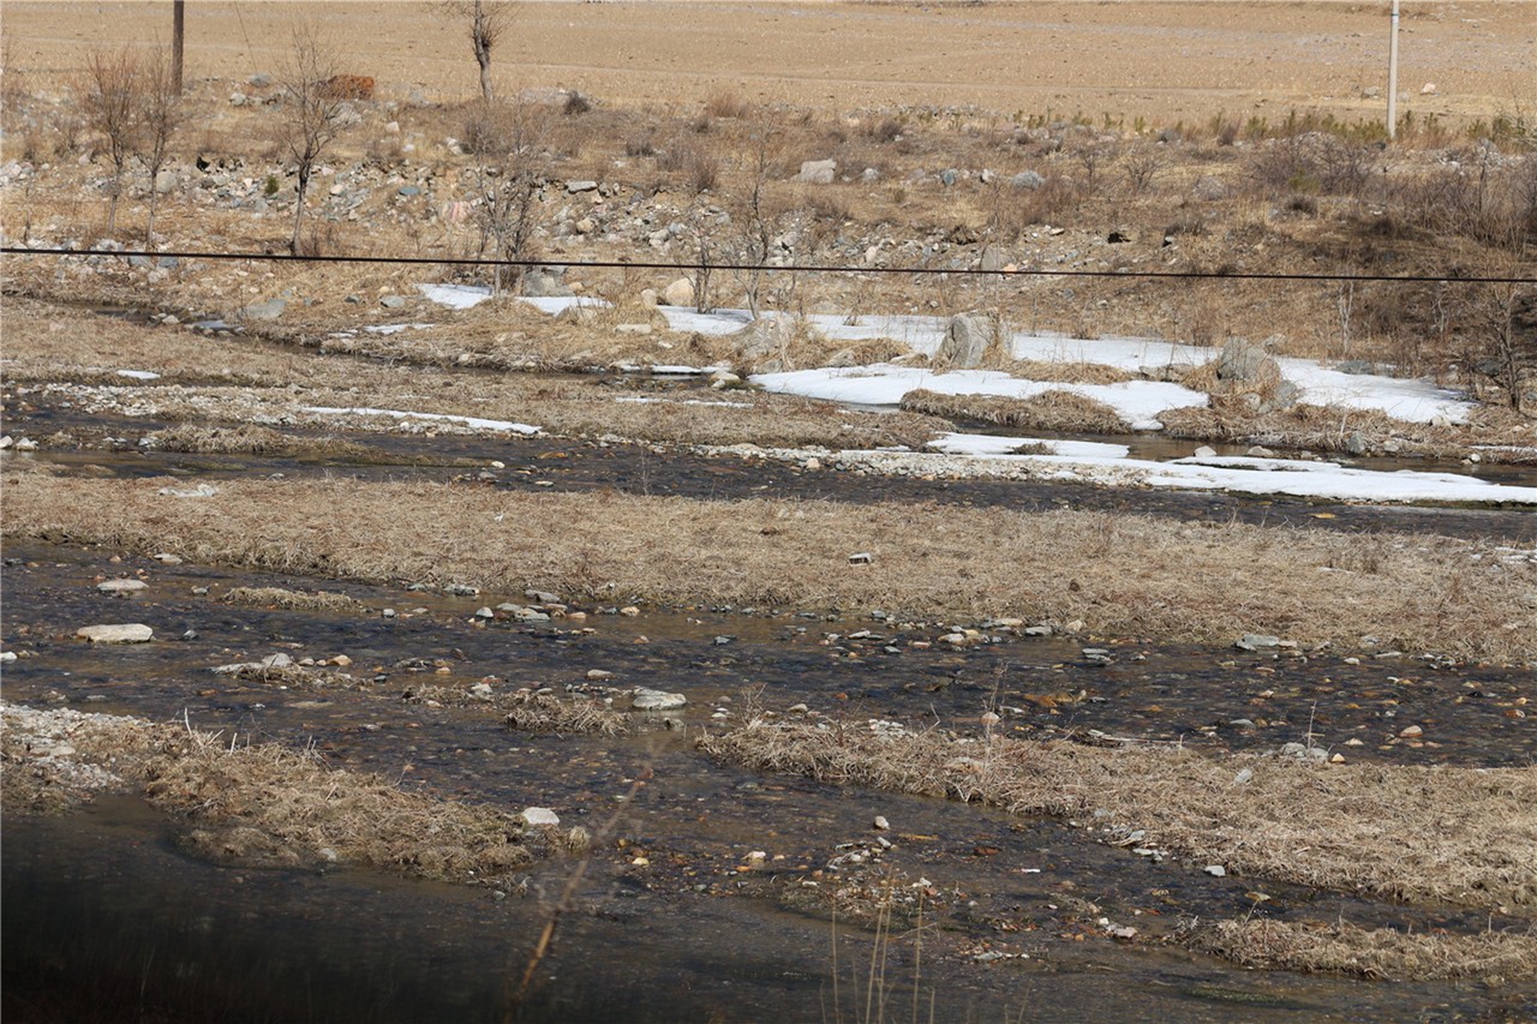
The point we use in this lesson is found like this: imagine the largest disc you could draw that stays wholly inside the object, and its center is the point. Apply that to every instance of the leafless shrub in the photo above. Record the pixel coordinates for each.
(312, 116)
(161, 117)
(508, 176)
(726, 103)
(1140, 167)
(886, 130)
(111, 105)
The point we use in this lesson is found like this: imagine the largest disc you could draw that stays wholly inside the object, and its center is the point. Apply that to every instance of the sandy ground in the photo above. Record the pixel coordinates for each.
(1164, 61)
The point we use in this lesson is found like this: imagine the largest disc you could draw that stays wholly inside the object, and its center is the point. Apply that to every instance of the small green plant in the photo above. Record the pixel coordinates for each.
(271, 188)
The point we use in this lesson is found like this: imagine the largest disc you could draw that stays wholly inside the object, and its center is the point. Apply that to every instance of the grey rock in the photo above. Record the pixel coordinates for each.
(1358, 367)
(764, 336)
(540, 816)
(1244, 361)
(1216, 870)
(541, 284)
(141, 262)
(679, 293)
(1355, 443)
(870, 175)
(410, 190)
(657, 700)
(269, 310)
(260, 80)
(993, 259)
(165, 181)
(575, 187)
(967, 339)
(949, 176)
(541, 596)
(1027, 180)
(1304, 752)
(120, 633)
(1210, 189)
(393, 301)
(818, 172)
(121, 586)
(1257, 642)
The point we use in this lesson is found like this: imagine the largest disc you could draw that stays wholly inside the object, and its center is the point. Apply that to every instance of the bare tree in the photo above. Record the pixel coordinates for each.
(756, 219)
(1503, 320)
(160, 116)
(110, 105)
(486, 23)
(509, 175)
(313, 115)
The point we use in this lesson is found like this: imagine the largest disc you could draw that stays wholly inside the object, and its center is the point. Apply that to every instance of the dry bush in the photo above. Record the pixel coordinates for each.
(1333, 826)
(726, 103)
(278, 597)
(1122, 575)
(694, 160)
(1063, 371)
(1053, 410)
(1313, 427)
(1378, 953)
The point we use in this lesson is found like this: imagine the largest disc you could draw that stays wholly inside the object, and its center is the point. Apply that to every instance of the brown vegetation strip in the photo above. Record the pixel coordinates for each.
(1459, 835)
(1378, 953)
(1122, 575)
(264, 803)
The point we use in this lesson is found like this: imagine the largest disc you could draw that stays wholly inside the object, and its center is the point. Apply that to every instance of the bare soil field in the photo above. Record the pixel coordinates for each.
(1036, 609)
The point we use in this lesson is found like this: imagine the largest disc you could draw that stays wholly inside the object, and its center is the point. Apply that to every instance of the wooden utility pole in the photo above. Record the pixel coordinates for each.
(178, 34)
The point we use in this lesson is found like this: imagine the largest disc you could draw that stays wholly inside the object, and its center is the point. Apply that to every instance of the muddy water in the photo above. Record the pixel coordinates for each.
(689, 935)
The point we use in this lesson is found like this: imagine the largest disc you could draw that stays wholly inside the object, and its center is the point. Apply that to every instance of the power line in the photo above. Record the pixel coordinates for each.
(791, 268)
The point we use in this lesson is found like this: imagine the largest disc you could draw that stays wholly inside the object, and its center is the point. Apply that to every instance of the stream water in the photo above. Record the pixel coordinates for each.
(105, 914)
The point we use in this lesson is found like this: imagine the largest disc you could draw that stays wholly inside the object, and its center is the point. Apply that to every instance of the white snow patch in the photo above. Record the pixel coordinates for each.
(391, 329)
(469, 421)
(645, 400)
(1138, 402)
(463, 296)
(139, 374)
(998, 444)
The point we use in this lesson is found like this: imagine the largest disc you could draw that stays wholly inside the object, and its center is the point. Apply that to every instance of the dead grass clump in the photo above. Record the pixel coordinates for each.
(1065, 372)
(529, 711)
(1316, 428)
(727, 103)
(1378, 953)
(266, 804)
(1053, 410)
(250, 439)
(278, 597)
(1336, 826)
(298, 677)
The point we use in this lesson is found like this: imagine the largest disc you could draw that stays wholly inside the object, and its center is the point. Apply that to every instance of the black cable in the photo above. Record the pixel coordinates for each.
(794, 268)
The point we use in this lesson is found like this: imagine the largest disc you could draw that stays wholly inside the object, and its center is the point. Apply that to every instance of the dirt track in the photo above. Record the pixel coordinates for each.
(1163, 61)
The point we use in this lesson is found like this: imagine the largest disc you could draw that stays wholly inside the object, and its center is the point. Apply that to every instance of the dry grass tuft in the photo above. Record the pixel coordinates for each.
(1064, 372)
(264, 804)
(1122, 575)
(250, 439)
(1458, 835)
(278, 597)
(1050, 410)
(1379, 953)
(545, 712)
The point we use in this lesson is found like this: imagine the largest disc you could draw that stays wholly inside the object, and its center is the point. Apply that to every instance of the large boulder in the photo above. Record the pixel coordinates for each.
(1245, 361)
(539, 284)
(679, 293)
(967, 339)
(818, 172)
(764, 336)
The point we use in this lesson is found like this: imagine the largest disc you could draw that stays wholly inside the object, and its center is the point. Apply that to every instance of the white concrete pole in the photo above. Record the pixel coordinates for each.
(1393, 76)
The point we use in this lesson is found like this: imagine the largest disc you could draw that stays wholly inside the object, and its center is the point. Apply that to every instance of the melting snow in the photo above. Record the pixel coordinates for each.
(469, 421)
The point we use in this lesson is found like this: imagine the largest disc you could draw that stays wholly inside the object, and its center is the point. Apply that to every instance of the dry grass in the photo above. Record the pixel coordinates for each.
(1459, 835)
(278, 597)
(1050, 410)
(269, 805)
(545, 712)
(274, 383)
(1379, 953)
(1122, 575)
(250, 439)
(1064, 372)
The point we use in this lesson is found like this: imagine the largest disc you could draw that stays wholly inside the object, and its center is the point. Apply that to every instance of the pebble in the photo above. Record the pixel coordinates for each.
(1410, 732)
(598, 674)
(881, 823)
(861, 558)
(1216, 870)
(121, 586)
(166, 558)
